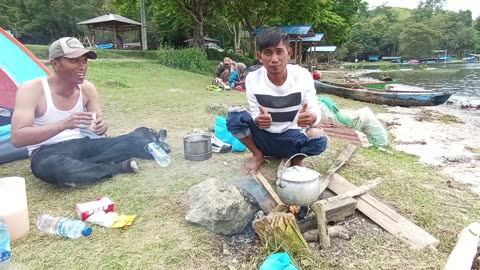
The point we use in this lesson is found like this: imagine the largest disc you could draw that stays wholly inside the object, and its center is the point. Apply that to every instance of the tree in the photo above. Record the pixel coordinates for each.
(198, 10)
(477, 24)
(417, 41)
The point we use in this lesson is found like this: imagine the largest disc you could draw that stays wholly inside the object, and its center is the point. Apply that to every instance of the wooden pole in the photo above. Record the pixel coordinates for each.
(144, 25)
(323, 237)
(115, 32)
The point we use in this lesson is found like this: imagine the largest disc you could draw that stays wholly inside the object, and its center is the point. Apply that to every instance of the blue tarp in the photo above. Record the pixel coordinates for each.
(104, 46)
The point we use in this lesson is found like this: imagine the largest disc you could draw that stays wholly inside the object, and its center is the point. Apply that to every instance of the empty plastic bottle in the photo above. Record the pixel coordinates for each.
(5, 252)
(68, 227)
(157, 152)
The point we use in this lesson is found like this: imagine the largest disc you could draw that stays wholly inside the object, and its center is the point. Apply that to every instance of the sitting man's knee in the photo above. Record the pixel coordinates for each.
(315, 132)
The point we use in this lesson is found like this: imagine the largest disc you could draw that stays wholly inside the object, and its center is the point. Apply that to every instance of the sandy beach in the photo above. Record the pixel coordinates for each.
(453, 148)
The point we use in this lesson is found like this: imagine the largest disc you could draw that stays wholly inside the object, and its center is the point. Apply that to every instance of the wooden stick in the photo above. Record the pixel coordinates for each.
(260, 178)
(356, 191)
(323, 237)
(333, 232)
(337, 164)
(464, 252)
(281, 165)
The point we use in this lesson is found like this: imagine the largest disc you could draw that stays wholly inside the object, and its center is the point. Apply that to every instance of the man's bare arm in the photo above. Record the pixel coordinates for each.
(23, 131)
(93, 105)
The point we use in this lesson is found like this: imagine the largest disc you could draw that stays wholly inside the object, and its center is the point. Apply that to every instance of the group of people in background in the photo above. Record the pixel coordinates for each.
(231, 74)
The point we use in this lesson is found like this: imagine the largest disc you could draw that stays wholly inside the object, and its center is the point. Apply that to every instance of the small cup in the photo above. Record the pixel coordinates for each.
(92, 124)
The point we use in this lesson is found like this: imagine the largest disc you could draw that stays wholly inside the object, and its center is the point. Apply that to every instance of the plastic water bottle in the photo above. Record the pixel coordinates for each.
(157, 152)
(5, 252)
(68, 227)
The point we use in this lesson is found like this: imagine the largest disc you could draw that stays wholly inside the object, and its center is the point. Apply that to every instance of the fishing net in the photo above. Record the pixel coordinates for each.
(363, 120)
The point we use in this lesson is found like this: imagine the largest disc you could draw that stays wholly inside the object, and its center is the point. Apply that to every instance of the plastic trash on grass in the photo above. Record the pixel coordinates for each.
(278, 261)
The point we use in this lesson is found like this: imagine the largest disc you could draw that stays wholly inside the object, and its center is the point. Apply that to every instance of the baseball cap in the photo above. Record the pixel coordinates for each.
(69, 47)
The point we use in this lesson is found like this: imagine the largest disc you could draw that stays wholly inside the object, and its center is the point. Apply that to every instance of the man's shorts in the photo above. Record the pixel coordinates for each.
(240, 123)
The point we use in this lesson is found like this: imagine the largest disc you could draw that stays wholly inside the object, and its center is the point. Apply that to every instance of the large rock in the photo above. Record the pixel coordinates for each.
(219, 206)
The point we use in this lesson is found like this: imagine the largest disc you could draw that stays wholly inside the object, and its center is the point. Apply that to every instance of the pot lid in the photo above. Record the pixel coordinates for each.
(299, 174)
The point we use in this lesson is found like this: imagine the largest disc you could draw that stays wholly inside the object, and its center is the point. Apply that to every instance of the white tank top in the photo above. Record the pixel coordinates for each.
(52, 114)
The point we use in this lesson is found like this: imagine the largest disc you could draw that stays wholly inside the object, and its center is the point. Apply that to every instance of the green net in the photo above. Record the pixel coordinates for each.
(332, 106)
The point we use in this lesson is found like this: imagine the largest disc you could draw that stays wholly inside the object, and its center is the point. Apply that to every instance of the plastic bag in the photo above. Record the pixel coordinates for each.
(278, 261)
(224, 135)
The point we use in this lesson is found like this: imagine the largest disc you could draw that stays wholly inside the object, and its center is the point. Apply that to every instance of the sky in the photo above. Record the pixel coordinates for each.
(454, 5)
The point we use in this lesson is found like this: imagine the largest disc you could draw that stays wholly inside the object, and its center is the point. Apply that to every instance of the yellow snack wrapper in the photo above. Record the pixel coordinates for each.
(123, 221)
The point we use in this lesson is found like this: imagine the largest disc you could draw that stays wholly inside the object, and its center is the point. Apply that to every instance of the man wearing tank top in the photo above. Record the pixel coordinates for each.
(52, 114)
(284, 110)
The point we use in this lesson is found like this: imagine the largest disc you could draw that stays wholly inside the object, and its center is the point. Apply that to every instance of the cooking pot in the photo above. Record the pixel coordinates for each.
(298, 185)
(197, 146)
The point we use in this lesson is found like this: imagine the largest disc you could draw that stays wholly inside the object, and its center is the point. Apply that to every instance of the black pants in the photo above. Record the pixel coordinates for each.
(85, 161)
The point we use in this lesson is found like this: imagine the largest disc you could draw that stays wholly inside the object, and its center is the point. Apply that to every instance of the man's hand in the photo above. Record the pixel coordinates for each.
(305, 117)
(264, 119)
(100, 126)
(78, 120)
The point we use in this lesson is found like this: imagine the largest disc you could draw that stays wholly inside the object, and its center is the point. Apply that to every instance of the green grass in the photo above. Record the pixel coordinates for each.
(143, 93)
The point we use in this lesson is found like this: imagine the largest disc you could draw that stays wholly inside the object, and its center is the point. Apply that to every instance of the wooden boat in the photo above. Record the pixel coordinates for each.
(366, 84)
(385, 97)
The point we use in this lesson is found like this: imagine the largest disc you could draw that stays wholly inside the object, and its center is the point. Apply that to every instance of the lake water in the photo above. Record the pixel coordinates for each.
(463, 80)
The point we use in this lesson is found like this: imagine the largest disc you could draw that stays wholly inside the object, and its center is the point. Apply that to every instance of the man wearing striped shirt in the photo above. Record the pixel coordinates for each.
(284, 110)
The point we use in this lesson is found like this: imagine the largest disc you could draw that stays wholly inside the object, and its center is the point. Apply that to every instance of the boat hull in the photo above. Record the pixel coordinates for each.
(391, 98)
(371, 85)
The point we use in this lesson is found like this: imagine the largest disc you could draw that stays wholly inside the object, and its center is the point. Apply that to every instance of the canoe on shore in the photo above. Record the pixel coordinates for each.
(385, 97)
(366, 84)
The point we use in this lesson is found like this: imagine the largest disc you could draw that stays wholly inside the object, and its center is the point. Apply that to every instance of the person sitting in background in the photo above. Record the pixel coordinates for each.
(223, 70)
(51, 114)
(237, 77)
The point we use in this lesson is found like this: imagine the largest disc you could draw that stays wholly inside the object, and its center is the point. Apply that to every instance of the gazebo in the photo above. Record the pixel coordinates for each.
(296, 34)
(114, 23)
(329, 51)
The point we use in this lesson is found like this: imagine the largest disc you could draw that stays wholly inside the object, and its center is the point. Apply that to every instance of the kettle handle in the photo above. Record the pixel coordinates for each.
(298, 154)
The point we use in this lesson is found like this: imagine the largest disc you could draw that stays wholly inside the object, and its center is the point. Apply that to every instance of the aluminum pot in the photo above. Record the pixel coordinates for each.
(197, 147)
(298, 185)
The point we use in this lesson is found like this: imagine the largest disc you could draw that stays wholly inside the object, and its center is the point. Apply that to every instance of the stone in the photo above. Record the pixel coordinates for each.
(219, 206)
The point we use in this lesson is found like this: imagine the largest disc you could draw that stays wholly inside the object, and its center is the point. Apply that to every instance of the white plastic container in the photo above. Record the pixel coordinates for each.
(13, 206)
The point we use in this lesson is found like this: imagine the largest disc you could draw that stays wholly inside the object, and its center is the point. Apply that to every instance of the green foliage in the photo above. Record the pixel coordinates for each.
(216, 55)
(387, 31)
(417, 41)
(41, 51)
(192, 59)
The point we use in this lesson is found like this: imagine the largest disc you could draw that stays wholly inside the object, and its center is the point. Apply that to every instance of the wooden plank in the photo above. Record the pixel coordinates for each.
(464, 252)
(337, 164)
(259, 176)
(341, 209)
(335, 211)
(386, 217)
